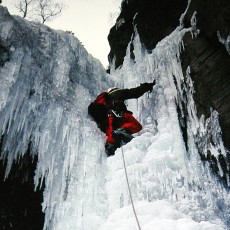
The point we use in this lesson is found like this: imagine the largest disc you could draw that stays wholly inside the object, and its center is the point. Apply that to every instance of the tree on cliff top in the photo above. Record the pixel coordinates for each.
(23, 6)
(41, 10)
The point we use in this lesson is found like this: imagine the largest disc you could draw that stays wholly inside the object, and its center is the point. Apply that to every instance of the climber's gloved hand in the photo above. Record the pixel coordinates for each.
(148, 86)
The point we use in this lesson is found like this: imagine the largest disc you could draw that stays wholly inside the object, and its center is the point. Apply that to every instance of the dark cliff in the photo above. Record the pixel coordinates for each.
(154, 21)
(207, 57)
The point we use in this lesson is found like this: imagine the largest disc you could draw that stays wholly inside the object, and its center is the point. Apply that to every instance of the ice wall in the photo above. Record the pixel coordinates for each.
(46, 87)
(171, 186)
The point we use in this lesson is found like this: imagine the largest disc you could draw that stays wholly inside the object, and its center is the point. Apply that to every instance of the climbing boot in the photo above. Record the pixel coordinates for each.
(110, 149)
(122, 135)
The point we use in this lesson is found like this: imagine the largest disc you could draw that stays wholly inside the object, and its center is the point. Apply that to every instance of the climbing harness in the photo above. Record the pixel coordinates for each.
(117, 114)
(131, 198)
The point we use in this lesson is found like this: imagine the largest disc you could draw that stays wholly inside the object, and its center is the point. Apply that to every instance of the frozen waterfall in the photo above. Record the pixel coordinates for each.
(46, 86)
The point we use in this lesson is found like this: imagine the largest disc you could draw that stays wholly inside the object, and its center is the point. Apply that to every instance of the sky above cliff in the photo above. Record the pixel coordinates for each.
(89, 20)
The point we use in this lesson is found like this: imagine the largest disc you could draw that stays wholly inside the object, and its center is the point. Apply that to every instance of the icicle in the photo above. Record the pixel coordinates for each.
(225, 42)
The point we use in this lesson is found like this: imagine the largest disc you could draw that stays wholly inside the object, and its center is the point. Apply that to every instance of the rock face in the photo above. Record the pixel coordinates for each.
(154, 21)
(207, 57)
(210, 61)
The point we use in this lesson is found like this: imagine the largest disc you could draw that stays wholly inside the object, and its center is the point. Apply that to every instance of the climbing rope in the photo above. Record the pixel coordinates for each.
(131, 198)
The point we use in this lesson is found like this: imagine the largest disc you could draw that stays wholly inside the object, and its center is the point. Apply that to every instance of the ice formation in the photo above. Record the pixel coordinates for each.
(46, 87)
(225, 42)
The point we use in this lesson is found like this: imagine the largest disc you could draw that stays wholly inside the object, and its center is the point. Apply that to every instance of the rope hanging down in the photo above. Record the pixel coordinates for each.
(131, 198)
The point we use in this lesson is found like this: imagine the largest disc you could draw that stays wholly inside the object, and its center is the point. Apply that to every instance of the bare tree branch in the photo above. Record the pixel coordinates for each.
(22, 6)
(45, 10)
(48, 9)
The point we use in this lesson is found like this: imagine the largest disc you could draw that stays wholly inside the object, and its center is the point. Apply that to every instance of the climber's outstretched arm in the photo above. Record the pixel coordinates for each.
(125, 94)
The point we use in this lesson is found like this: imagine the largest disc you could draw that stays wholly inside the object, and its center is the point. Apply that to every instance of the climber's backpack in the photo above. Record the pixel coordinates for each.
(98, 110)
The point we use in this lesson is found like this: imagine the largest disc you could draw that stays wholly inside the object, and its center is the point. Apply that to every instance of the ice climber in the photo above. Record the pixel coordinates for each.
(112, 117)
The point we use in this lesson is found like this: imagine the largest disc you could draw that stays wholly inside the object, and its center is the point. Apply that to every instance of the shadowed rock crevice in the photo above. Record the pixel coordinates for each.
(4, 55)
(20, 205)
